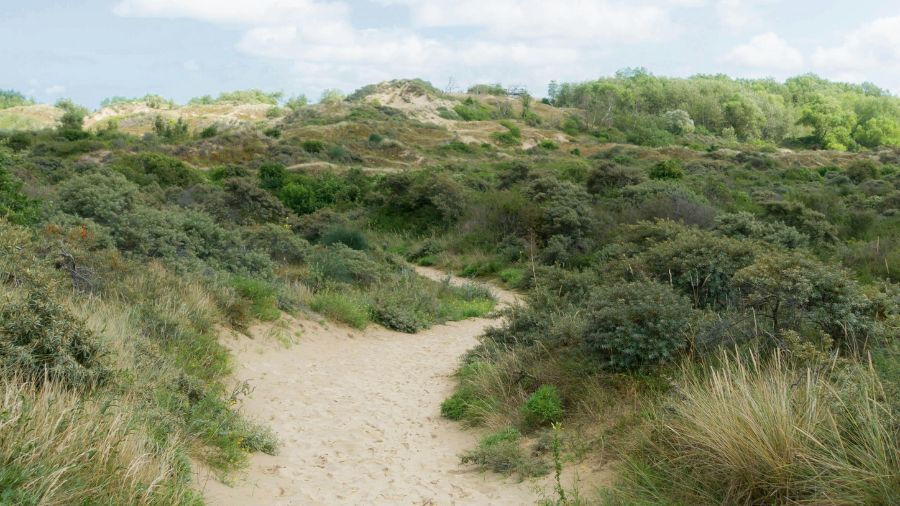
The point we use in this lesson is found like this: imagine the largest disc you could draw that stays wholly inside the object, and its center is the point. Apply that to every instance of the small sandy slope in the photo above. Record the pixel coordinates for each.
(358, 417)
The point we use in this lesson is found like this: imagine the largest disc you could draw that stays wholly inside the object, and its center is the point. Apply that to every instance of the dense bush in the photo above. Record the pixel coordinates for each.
(422, 199)
(634, 325)
(701, 265)
(610, 176)
(105, 196)
(543, 407)
(14, 205)
(40, 339)
(794, 291)
(147, 168)
(667, 169)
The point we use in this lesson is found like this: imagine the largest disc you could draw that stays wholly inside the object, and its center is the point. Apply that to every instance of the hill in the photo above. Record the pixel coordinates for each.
(709, 313)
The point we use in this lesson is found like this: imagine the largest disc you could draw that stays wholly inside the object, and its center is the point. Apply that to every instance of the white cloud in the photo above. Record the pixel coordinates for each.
(239, 12)
(872, 48)
(572, 20)
(741, 13)
(55, 90)
(768, 52)
(509, 39)
(871, 45)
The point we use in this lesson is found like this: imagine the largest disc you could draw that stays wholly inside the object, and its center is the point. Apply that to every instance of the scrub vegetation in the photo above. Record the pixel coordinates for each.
(709, 270)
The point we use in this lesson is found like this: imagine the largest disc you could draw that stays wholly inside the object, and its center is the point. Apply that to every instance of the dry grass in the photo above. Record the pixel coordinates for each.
(56, 448)
(759, 432)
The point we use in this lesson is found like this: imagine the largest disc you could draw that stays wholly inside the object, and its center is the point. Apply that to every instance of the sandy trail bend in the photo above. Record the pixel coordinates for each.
(358, 418)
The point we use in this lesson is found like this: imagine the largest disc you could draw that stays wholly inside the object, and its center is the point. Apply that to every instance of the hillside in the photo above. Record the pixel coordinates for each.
(639, 290)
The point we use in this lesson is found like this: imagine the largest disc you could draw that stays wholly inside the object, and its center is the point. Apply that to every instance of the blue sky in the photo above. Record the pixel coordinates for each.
(93, 49)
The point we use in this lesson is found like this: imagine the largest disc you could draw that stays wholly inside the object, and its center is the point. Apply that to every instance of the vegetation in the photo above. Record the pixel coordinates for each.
(804, 110)
(714, 315)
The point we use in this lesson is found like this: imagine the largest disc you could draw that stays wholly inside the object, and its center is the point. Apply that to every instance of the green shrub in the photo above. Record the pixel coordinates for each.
(744, 224)
(246, 204)
(349, 237)
(471, 110)
(543, 407)
(634, 325)
(548, 145)
(501, 452)
(454, 407)
(342, 264)
(40, 339)
(862, 170)
(511, 137)
(667, 169)
(105, 197)
(209, 132)
(395, 314)
(278, 241)
(610, 176)
(313, 146)
(146, 168)
(701, 265)
(342, 307)
(794, 291)
(263, 303)
(15, 206)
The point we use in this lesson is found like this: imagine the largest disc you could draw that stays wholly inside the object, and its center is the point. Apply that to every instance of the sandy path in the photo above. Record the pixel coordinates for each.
(358, 417)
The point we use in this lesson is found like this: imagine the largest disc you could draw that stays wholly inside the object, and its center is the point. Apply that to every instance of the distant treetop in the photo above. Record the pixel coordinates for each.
(806, 110)
(12, 98)
(252, 96)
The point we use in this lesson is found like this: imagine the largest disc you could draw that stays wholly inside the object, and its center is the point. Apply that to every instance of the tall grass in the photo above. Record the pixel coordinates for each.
(753, 431)
(56, 448)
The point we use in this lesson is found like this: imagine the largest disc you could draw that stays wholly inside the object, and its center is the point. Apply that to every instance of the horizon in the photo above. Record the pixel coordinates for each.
(182, 49)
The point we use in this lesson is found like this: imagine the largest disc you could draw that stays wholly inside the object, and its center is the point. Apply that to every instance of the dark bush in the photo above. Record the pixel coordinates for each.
(701, 265)
(667, 169)
(610, 176)
(146, 168)
(247, 203)
(40, 339)
(15, 206)
(347, 236)
(105, 197)
(792, 291)
(278, 241)
(862, 170)
(634, 325)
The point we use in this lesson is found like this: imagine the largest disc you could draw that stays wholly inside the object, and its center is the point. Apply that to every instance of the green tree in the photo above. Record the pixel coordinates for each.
(831, 123)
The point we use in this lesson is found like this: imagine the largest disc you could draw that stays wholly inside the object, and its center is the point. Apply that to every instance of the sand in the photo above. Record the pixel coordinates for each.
(358, 418)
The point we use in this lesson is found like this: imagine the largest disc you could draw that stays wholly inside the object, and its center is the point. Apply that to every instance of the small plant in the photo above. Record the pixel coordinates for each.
(511, 137)
(261, 296)
(342, 307)
(454, 407)
(209, 132)
(548, 145)
(543, 407)
(313, 146)
(502, 452)
(667, 169)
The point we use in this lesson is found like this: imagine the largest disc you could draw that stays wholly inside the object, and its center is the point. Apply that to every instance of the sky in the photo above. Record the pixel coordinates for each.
(91, 49)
